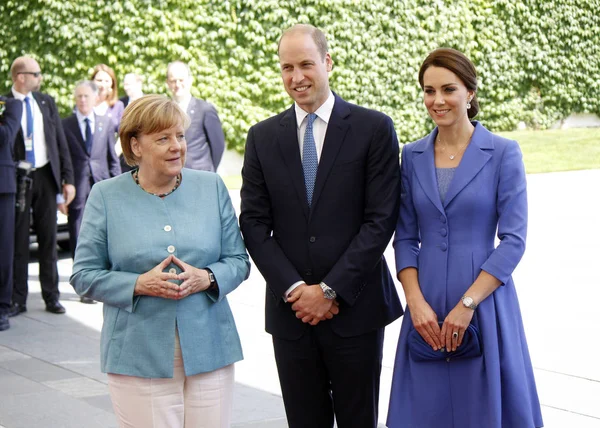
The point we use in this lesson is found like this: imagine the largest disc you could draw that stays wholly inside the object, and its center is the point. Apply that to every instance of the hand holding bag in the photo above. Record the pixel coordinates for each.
(421, 351)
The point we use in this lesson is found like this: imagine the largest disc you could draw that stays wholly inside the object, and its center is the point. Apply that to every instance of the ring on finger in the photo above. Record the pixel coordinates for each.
(455, 335)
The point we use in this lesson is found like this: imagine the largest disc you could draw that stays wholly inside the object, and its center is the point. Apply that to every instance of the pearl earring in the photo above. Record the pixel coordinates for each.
(468, 104)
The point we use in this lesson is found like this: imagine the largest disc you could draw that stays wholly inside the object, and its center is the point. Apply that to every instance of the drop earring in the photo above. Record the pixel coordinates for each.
(468, 104)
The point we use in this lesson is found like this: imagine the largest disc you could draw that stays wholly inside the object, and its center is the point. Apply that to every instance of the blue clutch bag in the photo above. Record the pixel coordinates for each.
(421, 351)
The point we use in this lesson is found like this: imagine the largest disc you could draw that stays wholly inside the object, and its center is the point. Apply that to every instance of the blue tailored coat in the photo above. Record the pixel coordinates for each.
(450, 243)
(126, 232)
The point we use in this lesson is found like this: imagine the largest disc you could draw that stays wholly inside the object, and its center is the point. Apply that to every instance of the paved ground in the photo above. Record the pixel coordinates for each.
(49, 364)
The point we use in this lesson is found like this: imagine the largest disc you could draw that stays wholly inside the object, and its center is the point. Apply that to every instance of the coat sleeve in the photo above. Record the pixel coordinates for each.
(256, 222)
(511, 207)
(214, 134)
(10, 121)
(234, 265)
(347, 277)
(92, 274)
(407, 238)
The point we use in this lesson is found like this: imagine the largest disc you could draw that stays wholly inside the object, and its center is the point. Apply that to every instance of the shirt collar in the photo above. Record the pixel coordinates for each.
(323, 112)
(19, 96)
(81, 117)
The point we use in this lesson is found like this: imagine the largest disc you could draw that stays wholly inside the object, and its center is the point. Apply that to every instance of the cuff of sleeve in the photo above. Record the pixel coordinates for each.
(292, 288)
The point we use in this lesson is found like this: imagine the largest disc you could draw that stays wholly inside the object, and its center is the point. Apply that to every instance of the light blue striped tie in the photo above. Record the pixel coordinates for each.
(29, 154)
(310, 162)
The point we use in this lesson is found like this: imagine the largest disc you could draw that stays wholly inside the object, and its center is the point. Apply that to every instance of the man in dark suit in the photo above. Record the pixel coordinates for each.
(320, 199)
(11, 112)
(92, 146)
(204, 137)
(40, 141)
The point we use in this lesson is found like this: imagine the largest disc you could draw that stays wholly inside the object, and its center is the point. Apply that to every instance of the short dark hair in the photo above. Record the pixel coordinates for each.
(458, 63)
(317, 35)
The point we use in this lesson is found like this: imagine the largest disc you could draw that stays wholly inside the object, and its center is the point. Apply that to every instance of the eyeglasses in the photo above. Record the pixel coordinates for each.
(33, 73)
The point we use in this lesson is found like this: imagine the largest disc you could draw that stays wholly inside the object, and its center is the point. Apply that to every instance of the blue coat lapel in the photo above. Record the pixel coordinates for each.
(290, 151)
(475, 157)
(334, 139)
(424, 167)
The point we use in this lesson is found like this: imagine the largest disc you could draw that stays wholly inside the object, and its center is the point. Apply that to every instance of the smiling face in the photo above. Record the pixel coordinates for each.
(160, 155)
(445, 96)
(104, 82)
(304, 70)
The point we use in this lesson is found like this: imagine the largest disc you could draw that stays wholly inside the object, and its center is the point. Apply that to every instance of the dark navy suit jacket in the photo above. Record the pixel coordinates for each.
(205, 139)
(56, 143)
(10, 124)
(341, 238)
(100, 164)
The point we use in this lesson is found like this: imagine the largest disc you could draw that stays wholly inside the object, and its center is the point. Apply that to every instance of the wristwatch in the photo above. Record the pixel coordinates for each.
(468, 302)
(213, 281)
(328, 292)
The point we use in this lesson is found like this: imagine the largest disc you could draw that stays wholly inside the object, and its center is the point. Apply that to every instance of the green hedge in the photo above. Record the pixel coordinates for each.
(538, 60)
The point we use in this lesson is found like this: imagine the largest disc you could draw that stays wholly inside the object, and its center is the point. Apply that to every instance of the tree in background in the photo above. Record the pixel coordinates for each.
(538, 60)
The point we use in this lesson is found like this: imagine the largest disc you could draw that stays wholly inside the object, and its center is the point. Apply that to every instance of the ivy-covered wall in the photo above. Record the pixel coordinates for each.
(538, 60)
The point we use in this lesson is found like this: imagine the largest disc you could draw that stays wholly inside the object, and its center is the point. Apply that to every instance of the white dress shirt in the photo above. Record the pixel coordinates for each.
(39, 135)
(81, 121)
(319, 130)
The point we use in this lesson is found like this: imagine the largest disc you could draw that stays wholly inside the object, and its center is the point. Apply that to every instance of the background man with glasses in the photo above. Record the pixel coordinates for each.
(41, 142)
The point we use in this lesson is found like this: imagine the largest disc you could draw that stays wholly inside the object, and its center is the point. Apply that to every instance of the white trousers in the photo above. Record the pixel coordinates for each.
(200, 401)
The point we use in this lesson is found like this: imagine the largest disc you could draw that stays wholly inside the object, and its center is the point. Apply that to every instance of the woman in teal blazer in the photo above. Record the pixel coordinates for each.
(161, 247)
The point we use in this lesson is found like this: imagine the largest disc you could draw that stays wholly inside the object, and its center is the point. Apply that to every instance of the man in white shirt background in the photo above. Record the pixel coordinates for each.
(41, 142)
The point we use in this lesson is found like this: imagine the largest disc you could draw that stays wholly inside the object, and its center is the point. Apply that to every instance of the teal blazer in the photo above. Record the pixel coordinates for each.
(126, 232)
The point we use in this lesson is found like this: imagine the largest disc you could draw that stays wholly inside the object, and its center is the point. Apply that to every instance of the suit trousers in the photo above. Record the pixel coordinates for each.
(41, 198)
(200, 401)
(7, 240)
(322, 373)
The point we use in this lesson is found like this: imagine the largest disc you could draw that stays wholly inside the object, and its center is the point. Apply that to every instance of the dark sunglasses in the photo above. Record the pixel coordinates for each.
(33, 73)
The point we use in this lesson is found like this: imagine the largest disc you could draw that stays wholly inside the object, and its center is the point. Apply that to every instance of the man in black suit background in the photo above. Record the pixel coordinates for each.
(320, 198)
(91, 143)
(11, 111)
(40, 141)
(205, 138)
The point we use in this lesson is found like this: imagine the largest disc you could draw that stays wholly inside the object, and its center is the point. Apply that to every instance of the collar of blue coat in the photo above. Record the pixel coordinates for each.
(476, 155)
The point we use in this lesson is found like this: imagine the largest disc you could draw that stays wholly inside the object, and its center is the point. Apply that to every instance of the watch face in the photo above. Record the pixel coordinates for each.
(468, 302)
(329, 294)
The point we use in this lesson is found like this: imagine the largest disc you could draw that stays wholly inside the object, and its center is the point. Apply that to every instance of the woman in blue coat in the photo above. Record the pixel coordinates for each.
(161, 247)
(461, 184)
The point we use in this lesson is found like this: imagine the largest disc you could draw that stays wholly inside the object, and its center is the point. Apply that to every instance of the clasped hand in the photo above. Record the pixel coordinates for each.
(158, 283)
(310, 304)
(426, 323)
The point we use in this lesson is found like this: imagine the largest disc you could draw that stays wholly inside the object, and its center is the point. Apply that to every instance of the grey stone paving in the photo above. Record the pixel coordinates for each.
(49, 364)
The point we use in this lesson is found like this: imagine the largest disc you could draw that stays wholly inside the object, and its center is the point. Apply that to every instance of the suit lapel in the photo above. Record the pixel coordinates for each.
(191, 107)
(73, 124)
(99, 130)
(475, 157)
(290, 151)
(334, 139)
(45, 109)
(424, 167)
